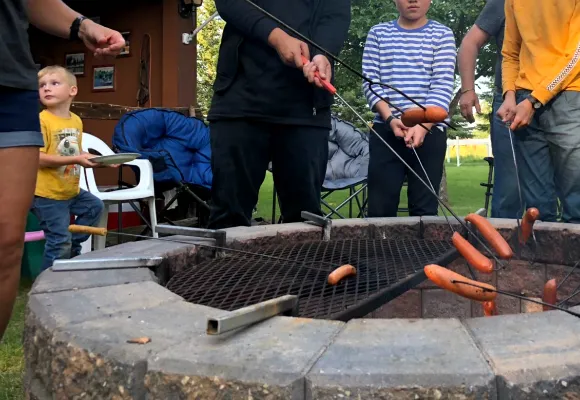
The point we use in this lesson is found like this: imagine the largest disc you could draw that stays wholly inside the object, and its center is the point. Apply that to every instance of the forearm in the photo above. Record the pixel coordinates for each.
(51, 16)
(246, 19)
(50, 161)
(383, 109)
(466, 60)
(441, 86)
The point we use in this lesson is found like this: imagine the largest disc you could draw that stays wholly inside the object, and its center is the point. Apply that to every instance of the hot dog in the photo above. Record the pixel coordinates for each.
(531, 215)
(550, 294)
(413, 116)
(496, 241)
(87, 229)
(340, 273)
(435, 114)
(489, 308)
(472, 255)
(444, 278)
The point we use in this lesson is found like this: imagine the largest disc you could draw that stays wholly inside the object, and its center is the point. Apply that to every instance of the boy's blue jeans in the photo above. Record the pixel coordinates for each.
(505, 202)
(54, 219)
(549, 157)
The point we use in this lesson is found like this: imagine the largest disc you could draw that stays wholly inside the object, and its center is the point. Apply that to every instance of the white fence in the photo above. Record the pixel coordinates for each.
(457, 143)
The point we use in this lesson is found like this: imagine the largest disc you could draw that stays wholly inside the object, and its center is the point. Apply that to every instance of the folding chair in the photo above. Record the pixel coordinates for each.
(179, 150)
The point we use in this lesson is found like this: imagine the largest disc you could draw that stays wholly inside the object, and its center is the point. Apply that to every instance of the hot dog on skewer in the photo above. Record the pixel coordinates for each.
(471, 254)
(487, 230)
(550, 294)
(340, 273)
(444, 278)
(417, 115)
(489, 308)
(531, 215)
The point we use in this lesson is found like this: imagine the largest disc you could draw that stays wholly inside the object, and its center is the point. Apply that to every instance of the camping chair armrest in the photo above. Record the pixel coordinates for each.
(145, 173)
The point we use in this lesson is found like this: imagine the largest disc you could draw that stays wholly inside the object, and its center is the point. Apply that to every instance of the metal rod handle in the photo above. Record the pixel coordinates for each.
(252, 314)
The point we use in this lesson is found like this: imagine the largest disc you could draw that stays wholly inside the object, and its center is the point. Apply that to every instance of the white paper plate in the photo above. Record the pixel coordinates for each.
(120, 158)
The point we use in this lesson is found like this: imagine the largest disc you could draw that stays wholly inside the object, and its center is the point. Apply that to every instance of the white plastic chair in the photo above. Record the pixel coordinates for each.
(143, 191)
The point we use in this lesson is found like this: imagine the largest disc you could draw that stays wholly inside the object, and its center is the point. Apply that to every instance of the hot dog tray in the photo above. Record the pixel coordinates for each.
(385, 270)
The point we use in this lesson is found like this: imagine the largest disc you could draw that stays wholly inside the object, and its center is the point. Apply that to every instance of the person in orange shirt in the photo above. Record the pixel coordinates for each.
(541, 88)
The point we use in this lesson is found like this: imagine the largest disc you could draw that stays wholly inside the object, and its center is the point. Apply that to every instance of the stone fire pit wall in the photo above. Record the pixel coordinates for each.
(78, 325)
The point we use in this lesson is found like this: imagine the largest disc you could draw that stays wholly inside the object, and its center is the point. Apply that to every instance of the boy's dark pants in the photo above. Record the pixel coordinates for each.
(241, 151)
(387, 173)
(54, 219)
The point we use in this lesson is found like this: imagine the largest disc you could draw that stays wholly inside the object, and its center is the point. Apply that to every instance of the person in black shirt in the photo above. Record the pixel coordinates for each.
(268, 107)
(20, 136)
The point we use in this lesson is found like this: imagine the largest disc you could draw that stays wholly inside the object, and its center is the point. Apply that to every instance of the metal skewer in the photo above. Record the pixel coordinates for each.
(517, 296)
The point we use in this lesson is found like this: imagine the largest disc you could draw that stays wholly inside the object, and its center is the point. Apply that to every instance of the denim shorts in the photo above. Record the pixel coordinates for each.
(19, 122)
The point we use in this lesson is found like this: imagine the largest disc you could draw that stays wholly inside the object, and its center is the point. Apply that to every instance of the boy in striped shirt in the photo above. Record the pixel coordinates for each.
(417, 56)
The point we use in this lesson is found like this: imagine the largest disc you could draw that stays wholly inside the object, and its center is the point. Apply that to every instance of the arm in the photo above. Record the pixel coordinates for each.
(331, 30)
(441, 86)
(471, 44)
(371, 69)
(56, 18)
(246, 19)
(565, 69)
(512, 42)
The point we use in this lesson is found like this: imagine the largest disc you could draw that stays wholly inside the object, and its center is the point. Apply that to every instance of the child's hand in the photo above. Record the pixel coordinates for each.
(114, 165)
(399, 129)
(84, 160)
(415, 136)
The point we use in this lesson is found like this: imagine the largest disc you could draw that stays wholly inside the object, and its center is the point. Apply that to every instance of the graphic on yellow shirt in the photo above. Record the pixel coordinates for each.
(62, 137)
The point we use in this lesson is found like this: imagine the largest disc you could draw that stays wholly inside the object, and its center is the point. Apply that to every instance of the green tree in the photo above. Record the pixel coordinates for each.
(208, 42)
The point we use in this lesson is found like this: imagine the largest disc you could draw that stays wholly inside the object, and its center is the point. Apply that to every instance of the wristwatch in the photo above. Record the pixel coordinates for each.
(74, 28)
(388, 120)
(535, 102)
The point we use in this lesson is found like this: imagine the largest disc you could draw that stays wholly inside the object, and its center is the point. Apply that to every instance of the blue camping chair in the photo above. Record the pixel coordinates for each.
(178, 148)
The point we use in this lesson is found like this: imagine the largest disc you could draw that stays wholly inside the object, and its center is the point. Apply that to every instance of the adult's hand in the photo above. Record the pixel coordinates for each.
(467, 102)
(524, 114)
(101, 40)
(507, 111)
(289, 48)
(321, 65)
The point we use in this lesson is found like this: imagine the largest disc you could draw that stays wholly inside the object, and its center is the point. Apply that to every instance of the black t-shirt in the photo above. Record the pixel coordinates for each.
(17, 69)
(492, 21)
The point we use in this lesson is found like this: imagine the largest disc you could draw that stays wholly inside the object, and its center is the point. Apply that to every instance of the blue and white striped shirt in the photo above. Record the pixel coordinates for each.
(419, 62)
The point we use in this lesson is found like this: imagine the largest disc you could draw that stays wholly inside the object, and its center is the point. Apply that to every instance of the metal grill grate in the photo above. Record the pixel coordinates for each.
(385, 269)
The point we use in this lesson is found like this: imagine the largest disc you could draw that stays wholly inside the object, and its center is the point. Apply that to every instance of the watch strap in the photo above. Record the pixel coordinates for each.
(75, 27)
(388, 120)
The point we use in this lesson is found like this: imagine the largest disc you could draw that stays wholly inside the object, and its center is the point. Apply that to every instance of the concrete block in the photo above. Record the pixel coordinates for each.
(535, 356)
(265, 361)
(401, 359)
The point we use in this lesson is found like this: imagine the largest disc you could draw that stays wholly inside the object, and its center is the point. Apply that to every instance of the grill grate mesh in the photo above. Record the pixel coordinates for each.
(236, 280)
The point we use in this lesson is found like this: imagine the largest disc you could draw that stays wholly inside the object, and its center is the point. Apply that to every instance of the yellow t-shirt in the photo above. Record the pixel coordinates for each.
(63, 137)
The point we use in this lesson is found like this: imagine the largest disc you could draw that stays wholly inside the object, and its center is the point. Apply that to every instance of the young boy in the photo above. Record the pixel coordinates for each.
(57, 193)
(417, 56)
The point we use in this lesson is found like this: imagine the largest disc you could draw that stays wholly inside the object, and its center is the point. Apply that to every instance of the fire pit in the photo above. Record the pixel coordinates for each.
(361, 338)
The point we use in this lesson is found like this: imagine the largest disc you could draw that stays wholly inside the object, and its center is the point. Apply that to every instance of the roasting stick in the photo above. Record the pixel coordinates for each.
(517, 296)
(441, 202)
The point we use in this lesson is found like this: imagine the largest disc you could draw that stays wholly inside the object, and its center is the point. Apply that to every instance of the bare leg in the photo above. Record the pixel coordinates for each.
(18, 168)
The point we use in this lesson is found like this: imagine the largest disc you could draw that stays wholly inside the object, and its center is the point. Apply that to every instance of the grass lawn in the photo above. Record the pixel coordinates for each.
(465, 196)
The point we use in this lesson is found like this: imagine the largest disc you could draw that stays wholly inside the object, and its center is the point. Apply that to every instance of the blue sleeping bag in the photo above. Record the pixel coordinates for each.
(177, 146)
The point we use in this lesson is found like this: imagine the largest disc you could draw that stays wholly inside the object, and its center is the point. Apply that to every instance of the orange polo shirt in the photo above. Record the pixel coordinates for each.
(541, 47)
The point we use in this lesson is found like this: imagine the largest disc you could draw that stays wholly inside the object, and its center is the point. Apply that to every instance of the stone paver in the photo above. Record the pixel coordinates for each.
(65, 308)
(50, 281)
(536, 356)
(265, 361)
(401, 359)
